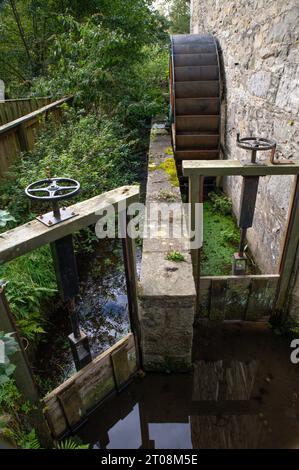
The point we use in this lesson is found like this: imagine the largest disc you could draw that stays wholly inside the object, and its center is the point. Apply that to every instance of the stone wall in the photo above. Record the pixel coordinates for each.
(259, 41)
(166, 289)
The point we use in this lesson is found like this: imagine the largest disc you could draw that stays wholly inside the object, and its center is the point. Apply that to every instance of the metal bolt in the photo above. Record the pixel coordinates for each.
(50, 222)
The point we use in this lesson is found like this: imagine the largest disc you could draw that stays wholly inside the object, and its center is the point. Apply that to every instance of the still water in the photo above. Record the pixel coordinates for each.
(102, 307)
(242, 393)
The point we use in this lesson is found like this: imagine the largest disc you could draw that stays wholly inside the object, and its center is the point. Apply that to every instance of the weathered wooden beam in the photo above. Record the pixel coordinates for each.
(22, 120)
(129, 254)
(35, 234)
(248, 297)
(236, 167)
(289, 255)
(67, 405)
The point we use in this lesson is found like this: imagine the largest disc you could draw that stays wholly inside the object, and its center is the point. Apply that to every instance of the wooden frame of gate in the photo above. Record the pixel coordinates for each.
(248, 297)
(110, 370)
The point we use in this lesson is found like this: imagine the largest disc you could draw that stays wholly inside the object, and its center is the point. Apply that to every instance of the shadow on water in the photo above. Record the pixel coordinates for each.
(103, 312)
(242, 393)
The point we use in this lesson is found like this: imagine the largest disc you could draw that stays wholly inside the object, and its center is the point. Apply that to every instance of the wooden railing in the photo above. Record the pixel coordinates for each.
(19, 135)
(13, 109)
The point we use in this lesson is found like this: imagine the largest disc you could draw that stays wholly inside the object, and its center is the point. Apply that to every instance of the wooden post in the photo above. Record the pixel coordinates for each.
(22, 136)
(129, 254)
(23, 375)
(195, 196)
(287, 267)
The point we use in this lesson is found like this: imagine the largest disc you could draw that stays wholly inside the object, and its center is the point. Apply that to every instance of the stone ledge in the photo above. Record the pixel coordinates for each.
(166, 290)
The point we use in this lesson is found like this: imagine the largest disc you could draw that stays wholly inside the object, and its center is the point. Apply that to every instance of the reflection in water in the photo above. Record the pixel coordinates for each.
(103, 311)
(242, 393)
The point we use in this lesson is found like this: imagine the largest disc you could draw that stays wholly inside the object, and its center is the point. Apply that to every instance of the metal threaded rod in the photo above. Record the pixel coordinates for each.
(242, 241)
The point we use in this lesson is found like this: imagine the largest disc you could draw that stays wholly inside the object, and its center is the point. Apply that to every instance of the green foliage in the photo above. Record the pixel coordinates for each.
(29, 440)
(231, 235)
(179, 16)
(113, 56)
(10, 347)
(9, 395)
(175, 256)
(31, 284)
(221, 203)
(5, 217)
(220, 241)
(71, 443)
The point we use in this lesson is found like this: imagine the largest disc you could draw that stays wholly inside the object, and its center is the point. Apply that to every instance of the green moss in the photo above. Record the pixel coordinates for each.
(168, 151)
(169, 167)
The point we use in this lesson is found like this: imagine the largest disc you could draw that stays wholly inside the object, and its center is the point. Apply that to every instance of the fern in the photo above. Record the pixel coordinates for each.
(29, 440)
(71, 444)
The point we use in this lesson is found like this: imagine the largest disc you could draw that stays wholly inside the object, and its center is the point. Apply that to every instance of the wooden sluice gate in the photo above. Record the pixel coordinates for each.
(68, 405)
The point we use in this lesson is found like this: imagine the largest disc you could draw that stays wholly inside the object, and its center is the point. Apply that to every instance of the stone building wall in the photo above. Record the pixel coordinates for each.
(259, 42)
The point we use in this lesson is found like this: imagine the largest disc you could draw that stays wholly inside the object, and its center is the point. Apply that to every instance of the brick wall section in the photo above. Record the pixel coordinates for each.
(259, 40)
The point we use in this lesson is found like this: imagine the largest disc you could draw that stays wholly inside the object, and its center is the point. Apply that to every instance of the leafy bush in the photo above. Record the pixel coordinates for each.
(231, 235)
(221, 203)
(31, 283)
(10, 347)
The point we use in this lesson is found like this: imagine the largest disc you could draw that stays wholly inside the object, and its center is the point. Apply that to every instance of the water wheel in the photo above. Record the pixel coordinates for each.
(195, 97)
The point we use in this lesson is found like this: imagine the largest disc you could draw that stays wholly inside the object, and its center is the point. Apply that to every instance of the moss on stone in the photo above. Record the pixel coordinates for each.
(170, 168)
(168, 151)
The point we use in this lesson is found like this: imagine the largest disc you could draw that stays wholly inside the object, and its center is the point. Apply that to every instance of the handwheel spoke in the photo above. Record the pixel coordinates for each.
(38, 190)
(65, 188)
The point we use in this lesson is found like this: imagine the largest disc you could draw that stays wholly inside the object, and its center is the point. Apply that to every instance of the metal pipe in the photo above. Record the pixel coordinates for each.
(56, 210)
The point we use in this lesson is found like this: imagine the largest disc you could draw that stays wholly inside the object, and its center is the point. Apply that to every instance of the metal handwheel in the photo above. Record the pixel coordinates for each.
(53, 190)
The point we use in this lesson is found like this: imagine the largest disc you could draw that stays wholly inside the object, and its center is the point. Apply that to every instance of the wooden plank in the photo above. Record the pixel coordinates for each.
(194, 48)
(197, 123)
(72, 405)
(194, 154)
(204, 298)
(195, 72)
(236, 298)
(218, 290)
(185, 60)
(129, 256)
(261, 298)
(90, 386)
(192, 106)
(121, 368)
(34, 234)
(290, 251)
(195, 141)
(195, 89)
(236, 167)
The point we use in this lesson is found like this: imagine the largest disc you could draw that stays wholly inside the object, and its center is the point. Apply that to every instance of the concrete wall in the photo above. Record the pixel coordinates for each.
(259, 40)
